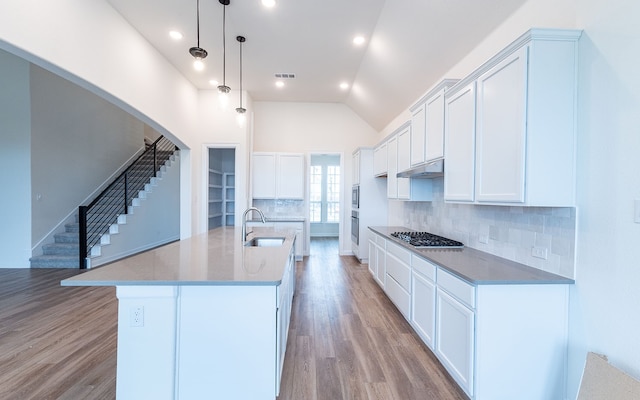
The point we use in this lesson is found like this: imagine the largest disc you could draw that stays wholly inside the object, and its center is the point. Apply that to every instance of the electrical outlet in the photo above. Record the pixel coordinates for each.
(539, 252)
(136, 316)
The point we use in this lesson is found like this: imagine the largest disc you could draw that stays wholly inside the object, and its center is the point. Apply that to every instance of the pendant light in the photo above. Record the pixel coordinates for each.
(198, 52)
(241, 117)
(223, 90)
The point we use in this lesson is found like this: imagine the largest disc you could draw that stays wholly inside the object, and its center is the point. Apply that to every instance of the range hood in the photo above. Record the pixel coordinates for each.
(433, 169)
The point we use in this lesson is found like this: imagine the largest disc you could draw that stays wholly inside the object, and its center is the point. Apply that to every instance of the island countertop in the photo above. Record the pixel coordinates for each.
(475, 266)
(217, 257)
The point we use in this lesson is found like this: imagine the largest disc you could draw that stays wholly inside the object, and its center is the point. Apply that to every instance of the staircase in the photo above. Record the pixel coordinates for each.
(63, 253)
(107, 212)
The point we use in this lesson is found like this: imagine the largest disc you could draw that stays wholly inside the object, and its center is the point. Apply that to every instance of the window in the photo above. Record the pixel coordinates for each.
(324, 193)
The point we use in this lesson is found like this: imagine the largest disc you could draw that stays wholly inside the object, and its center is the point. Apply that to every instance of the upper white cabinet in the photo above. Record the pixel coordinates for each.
(524, 125)
(355, 176)
(427, 125)
(380, 160)
(460, 144)
(278, 176)
(398, 159)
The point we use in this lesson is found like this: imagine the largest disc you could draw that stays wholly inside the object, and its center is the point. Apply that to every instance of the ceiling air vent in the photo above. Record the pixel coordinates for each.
(285, 76)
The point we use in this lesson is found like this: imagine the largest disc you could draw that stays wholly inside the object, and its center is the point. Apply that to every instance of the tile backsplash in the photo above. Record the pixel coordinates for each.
(509, 232)
(281, 208)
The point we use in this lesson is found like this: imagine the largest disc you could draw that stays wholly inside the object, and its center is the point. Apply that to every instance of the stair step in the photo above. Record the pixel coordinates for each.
(61, 249)
(66, 237)
(55, 262)
(72, 228)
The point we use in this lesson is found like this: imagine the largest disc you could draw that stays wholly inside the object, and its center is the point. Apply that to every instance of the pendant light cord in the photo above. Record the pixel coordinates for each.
(240, 74)
(224, 48)
(198, 21)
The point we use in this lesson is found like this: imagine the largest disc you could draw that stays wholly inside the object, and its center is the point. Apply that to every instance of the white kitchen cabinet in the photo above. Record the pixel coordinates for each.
(525, 129)
(455, 325)
(427, 125)
(355, 176)
(398, 280)
(392, 167)
(278, 176)
(285, 294)
(418, 134)
(404, 162)
(398, 156)
(423, 299)
(434, 121)
(460, 139)
(373, 256)
(380, 160)
(455, 339)
(381, 256)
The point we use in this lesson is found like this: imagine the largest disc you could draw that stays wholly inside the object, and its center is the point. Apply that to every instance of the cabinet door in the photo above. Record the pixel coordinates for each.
(423, 310)
(418, 132)
(404, 162)
(264, 176)
(392, 168)
(382, 265)
(355, 176)
(455, 327)
(380, 160)
(373, 259)
(290, 179)
(434, 123)
(460, 145)
(501, 130)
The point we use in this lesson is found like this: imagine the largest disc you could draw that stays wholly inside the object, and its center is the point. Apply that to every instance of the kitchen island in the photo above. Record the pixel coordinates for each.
(204, 317)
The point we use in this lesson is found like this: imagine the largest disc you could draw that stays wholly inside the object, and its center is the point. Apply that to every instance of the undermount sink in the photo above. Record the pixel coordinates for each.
(265, 242)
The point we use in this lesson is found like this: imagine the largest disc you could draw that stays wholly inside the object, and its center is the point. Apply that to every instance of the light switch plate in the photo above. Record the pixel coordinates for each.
(636, 211)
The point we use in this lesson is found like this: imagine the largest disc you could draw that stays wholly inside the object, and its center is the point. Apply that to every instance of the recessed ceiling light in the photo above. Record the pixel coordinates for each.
(213, 82)
(269, 3)
(358, 40)
(279, 84)
(175, 35)
(344, 86)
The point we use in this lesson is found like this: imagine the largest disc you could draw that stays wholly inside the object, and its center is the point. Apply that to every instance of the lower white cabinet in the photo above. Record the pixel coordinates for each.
(283, 315)
(499, 341)
(398, 280)
(423, 301)
(373, 257)
(455, 339)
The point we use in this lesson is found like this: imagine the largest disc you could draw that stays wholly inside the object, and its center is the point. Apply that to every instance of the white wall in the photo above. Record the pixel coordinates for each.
(124, 69)
(78, 141)
(15, 153)
(605, 313)
(314, 127)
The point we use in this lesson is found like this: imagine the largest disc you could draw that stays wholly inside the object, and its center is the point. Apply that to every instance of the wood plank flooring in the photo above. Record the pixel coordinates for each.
(346, 341)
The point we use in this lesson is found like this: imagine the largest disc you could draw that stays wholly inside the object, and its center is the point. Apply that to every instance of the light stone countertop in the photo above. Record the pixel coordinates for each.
(216, 257)
(475, 266)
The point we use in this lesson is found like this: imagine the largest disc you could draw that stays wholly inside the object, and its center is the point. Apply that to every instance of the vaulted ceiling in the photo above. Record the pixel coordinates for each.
(409, 45)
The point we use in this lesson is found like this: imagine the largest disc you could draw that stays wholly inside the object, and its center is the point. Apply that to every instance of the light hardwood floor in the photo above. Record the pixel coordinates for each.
(346, 341)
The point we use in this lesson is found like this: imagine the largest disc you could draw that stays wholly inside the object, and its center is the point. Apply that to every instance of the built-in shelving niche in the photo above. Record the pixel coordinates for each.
(221, 199)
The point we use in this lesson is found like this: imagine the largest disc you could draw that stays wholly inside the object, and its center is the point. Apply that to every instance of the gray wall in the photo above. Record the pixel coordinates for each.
(78, 141)
(15, 142)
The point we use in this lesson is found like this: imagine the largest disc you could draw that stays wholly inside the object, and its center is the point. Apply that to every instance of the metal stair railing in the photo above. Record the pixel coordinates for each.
(96, 218)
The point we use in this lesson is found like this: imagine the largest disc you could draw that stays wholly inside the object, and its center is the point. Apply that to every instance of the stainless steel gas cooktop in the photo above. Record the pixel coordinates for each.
(427, 240)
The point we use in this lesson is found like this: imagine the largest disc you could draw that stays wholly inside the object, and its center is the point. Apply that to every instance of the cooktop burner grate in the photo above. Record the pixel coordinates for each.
(426, 240)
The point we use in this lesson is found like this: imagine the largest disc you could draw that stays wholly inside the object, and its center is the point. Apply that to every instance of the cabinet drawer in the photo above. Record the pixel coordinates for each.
(400, 253)
(458, 288)
(382, 242)
(399, 271)
(424, 267)
(398, 295)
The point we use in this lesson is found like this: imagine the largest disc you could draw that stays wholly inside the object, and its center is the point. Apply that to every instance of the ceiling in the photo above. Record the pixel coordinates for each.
(410, 45)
